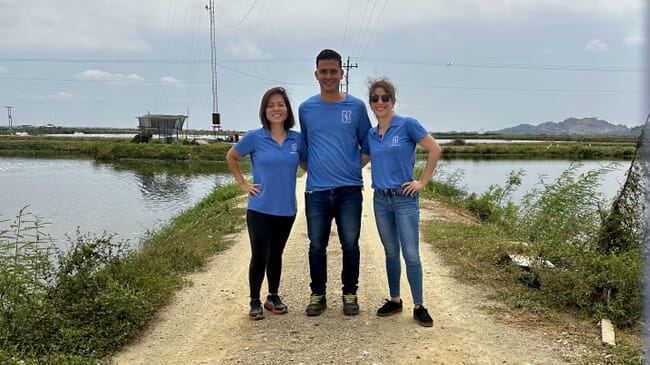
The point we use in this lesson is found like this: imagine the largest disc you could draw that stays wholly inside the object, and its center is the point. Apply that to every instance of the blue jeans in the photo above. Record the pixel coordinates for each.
(344, 206)
(397, 217)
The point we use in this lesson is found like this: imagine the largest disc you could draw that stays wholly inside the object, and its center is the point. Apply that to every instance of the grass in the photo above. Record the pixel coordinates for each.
(118, 148)
(558, 222)
(478, 254)
(91, 301)
(110, 149)
(100, 296)
(541, 150)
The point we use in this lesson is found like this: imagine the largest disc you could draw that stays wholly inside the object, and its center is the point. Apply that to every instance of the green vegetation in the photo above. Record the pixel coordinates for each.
(41, 130)
(82, 305)
(120, 148)
(536, 137)
(110, 149)
(540, 150)
(560, 226)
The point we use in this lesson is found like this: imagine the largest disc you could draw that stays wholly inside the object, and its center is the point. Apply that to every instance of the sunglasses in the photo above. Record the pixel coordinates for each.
(375, 98)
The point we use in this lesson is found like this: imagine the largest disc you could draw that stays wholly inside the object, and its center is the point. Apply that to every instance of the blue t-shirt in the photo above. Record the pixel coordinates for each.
(333, 133)
(393, 158)
(274, 167)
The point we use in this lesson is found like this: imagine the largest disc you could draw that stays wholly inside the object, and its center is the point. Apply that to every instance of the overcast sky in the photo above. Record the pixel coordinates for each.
(458, 65)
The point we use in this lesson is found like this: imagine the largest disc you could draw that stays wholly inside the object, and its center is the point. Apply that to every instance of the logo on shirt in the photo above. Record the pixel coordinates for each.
(395, 141)
(294, 148)
(346, 116)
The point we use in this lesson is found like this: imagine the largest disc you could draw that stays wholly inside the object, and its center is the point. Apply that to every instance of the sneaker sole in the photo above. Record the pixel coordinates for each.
(425, 324)
(389, 313)
(275, 311)
(314, 314)
(256, 318)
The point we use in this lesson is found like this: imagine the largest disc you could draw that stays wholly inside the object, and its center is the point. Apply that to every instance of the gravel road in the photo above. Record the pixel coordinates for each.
(207, 322)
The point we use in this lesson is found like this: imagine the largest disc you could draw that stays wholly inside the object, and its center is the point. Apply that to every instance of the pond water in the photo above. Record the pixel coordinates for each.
(131, 199)
(479, 175)
(126, 200)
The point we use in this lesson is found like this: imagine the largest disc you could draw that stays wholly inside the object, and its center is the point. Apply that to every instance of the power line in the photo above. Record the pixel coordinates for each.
(454, 64)
(241, 20)
(451, 87)
(347, 22)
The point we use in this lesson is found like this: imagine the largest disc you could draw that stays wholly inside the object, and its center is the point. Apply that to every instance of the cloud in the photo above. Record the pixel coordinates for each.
(98, 75)
(246, 49)
(596, 45)
(171, 80)
(63, 95)
(59, 95)
(635, 39)
(3, 69)
(115, 25)
(137, 26)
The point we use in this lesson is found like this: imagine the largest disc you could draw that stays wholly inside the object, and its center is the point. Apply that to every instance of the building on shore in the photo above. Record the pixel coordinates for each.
(163, 125)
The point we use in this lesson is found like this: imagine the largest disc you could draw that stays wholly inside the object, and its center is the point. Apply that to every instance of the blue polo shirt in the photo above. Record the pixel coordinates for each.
(274, 167)
(393, 157)
(333, 133)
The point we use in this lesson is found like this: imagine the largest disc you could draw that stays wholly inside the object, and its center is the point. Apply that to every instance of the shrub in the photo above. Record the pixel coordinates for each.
(494, 206)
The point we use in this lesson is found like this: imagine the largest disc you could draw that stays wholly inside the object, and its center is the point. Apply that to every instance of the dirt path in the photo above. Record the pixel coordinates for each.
(207, 322)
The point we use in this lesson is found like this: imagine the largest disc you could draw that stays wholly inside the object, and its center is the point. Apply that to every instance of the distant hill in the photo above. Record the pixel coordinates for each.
(573, 126)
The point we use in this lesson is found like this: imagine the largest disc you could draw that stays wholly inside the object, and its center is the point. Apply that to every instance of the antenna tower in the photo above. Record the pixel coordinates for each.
(216, 120)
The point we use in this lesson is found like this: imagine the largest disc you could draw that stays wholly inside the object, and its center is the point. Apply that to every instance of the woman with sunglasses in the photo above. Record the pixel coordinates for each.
(275, 153)
(390, 147)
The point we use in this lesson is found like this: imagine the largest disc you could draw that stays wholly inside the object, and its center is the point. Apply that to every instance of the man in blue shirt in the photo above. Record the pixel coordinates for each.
(333, 125)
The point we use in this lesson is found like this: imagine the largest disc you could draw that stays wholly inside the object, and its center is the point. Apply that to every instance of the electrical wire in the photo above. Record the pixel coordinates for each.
(241, 20)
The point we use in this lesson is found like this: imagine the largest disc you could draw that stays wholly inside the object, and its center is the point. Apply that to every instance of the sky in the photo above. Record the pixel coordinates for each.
(458, 65)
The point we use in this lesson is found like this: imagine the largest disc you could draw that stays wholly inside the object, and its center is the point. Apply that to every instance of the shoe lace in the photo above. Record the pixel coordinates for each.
(350, 298)
(315, 299)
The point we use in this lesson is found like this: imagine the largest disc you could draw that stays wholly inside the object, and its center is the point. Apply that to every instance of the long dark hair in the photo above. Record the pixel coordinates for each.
(290, 121)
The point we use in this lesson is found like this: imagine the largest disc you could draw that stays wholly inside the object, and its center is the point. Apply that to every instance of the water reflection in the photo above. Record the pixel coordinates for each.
(130, 198)
(127, 199)
(479, 175)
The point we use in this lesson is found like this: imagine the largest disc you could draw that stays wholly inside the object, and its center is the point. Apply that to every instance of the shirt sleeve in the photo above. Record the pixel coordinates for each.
(364, 123)
(365, 145)
(415, 130)
(246, 144)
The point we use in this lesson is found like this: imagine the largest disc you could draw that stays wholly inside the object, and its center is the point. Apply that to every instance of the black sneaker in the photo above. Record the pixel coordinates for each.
(256, 312)
(389, 308)
(421, 315)
(350, 305)
(317, 305)
(275, 305)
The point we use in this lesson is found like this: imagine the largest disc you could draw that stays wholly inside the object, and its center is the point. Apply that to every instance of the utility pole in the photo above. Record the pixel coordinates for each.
(11, 119)
(347, 66)
(216, 118)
